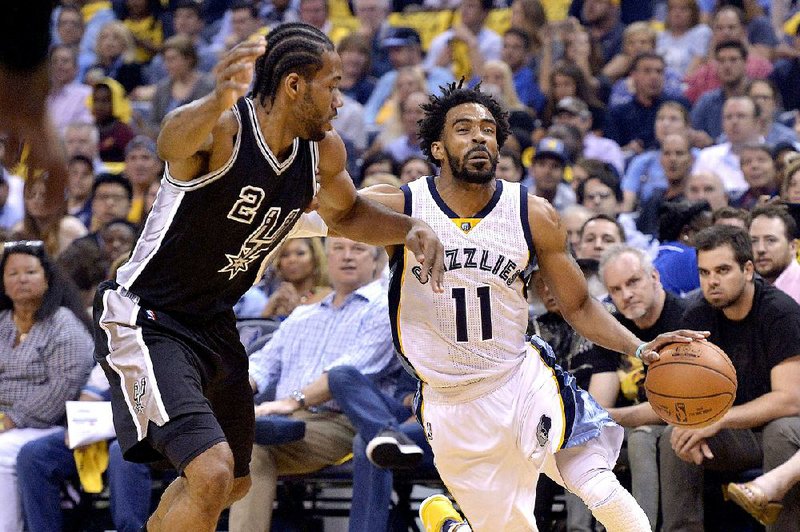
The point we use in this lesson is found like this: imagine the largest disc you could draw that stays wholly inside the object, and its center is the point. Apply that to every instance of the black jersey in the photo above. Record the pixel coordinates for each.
(207, 240)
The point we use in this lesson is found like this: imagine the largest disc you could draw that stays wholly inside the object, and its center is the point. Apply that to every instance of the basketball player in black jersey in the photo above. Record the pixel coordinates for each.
(240, 172)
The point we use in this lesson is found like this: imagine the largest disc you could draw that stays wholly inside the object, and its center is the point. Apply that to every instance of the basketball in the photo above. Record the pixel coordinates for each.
(691, 384)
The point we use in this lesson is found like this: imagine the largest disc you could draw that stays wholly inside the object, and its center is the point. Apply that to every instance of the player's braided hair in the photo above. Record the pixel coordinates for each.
(291, 47)
(455, 94)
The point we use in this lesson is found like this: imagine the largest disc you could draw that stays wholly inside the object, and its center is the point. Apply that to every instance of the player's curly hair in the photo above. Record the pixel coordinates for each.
(455, 94)
(291, 47)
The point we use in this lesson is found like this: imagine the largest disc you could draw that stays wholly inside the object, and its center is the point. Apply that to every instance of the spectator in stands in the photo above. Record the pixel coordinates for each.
(376, 163)
(115, 51)
(315, 12)
(187, 21)
(758, 327)
(44, 335)
(645, 173)
(573, 219)
(415, 167)
(44, 466)
(411, 113)
(82, 138)
(773, 233)
(638, 38)
(355, 321)
(599, 233)
(66, 102)
(111, 112)
(764, 93)
(790, 189)
(357, 82)
(464, 47)
(374, 26)
(69, 27)
(571, 110)
(405, 50)
(142, 168)
(80, 176)
(786, 74)
(143, 18)
(12, 203)
(731, 216)
(706, 186)
(760, 33)
(685, 38)
(278, 12)
(707, 111)
(567, 80)
(111, 199)
(301, 266)
(676, 160)
(676, 259)
(530, 17)
(509, 166)
(547, 172)
(183, 82)
(600, 192)
(647, 310)
(57, 233)
(740, 116)
(83, 262)
(517, 55)
(407, 80)
(727, 24)
(758, 169)
(602, 21)
(632, 124)
(244, 23)
(96, 14)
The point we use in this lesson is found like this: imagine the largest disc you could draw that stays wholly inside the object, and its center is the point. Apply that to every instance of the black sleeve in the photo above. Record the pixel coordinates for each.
(603, 360)
(25, 33)
(782, 330)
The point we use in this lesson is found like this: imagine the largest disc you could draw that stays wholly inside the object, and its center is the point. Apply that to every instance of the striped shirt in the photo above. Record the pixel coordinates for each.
(40, 374)
(315, 338)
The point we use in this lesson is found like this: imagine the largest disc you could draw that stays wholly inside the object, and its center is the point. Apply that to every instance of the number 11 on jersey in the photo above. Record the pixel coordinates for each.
(484, 299)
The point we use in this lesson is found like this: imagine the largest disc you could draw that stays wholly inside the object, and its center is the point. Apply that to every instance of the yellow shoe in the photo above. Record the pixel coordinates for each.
(436, 511)
(754, 501)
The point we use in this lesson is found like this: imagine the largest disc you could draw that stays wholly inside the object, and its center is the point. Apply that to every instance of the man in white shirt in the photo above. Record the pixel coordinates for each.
(740, 117)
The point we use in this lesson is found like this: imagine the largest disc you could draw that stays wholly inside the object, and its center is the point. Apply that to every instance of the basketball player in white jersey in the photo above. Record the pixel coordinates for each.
(495, 407)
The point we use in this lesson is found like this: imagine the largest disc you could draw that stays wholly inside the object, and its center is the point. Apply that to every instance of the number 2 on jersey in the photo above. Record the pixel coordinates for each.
(484, 298)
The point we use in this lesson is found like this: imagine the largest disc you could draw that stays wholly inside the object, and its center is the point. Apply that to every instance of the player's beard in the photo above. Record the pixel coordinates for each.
(461, 172)
(313, 122)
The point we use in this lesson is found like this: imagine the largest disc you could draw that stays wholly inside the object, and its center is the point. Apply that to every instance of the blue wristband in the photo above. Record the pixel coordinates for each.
(639, 350)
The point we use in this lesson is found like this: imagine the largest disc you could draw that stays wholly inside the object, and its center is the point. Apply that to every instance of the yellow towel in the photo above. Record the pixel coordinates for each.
(92, 461)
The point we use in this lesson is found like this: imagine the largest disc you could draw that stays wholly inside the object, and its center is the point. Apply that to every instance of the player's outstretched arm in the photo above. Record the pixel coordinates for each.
(189, 130)
(360, 217)
(565, 280)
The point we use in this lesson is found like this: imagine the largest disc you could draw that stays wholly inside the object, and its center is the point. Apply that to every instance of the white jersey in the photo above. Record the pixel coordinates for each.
(465, 340)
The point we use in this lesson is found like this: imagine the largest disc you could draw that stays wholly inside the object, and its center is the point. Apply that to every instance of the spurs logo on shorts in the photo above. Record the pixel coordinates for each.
(139, 389)
(543, 430)
(428, 431)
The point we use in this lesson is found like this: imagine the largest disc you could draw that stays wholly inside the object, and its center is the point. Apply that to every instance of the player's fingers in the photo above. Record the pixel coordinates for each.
(436, 264)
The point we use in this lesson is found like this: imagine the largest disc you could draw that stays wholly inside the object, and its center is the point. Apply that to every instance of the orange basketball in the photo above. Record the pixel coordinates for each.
(692, 384)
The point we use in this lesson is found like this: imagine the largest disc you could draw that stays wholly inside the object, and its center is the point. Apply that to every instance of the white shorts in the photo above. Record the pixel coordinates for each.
(489, 451)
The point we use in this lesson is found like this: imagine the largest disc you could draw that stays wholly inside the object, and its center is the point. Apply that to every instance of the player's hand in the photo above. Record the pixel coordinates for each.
(426, 247)
(650, 350)
(234, 71)
(281, 407)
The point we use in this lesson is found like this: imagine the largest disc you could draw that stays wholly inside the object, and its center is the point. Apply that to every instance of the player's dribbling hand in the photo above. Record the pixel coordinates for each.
(234, 71)
(650, 350)
(426, 247)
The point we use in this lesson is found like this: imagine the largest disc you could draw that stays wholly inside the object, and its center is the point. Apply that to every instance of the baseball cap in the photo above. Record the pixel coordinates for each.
(572, 105)
(401, 37)
(552, 147)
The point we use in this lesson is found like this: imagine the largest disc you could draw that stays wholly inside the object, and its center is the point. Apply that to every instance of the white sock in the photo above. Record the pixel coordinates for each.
(621, 513)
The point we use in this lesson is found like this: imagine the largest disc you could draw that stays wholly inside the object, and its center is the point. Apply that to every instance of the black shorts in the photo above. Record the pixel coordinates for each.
(178, 385)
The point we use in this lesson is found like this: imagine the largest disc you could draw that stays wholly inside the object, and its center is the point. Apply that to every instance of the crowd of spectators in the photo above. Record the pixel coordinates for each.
(648, 124)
